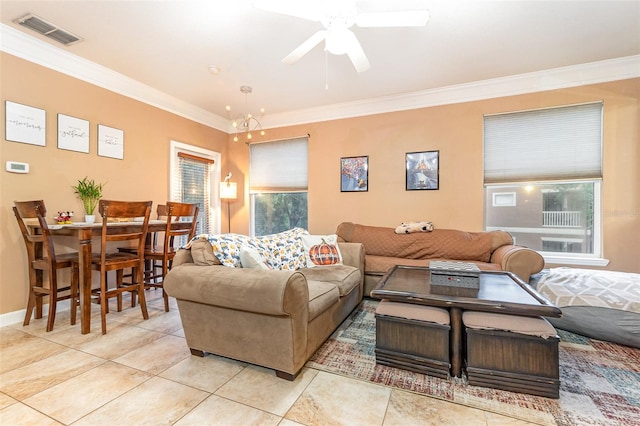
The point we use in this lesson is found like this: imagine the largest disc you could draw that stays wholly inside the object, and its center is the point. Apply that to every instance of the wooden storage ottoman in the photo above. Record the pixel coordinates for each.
(513, 353)
(413, 337)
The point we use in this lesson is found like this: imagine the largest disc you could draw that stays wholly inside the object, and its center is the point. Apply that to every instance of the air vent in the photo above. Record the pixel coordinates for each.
(47, 29)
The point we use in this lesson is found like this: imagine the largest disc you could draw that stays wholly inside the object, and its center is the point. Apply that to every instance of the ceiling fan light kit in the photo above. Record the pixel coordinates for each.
(338, 16)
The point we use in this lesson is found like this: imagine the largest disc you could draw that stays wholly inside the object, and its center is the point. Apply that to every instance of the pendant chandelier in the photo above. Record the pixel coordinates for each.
(246, 123)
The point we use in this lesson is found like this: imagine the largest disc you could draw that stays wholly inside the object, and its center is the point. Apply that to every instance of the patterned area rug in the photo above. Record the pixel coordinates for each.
(600, 381)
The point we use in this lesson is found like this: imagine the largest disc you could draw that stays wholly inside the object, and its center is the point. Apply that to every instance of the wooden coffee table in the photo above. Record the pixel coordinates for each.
(499, 292)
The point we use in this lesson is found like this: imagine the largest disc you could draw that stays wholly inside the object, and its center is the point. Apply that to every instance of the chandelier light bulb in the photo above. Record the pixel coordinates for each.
(246, 123)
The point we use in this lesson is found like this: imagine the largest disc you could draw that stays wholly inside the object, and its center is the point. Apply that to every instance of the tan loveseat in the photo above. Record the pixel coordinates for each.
(273, 318)
(384, 249)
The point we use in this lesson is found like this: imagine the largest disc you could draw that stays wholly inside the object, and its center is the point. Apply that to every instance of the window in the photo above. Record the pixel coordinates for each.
(504, 199)
(194, 175)
(278, 186)
(546, 165)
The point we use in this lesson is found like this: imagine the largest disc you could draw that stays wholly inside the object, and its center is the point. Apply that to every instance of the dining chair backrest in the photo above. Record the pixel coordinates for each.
(177, 213)
(161, 214)
(116, 211)
(181, 221)
(161, 211)
(34, 212)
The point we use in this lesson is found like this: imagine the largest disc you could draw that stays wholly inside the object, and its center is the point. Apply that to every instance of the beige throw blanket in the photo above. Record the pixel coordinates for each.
(438, 244)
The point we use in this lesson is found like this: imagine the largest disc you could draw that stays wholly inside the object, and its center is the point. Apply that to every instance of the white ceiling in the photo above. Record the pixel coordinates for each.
(169, 46)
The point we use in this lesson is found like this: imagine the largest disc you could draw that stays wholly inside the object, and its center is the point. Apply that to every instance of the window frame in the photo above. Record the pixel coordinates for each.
(215, 204)
(278, 188)
(512, 203)
(540, 130)
(584, 259)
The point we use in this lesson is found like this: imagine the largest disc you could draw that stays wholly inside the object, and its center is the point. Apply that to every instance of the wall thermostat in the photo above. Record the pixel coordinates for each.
(17, 167)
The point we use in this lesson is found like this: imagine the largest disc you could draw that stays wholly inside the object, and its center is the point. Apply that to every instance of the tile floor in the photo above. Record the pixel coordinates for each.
(141, 372)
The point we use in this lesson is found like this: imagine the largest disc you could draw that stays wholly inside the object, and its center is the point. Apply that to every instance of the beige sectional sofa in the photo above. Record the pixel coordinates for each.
(384, 249)
(273, 318)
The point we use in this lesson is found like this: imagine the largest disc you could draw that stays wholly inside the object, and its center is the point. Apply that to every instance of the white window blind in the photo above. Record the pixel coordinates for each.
(279, 166)
(554, 143)
(192, 184)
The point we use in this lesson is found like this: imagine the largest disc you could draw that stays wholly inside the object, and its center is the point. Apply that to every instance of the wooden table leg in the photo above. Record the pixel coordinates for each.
(84, 255)
(456, 341)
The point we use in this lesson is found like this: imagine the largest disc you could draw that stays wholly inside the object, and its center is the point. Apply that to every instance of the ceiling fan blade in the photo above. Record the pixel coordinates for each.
(356, 54)
(300, 9)
(305, 47)
(393, 18)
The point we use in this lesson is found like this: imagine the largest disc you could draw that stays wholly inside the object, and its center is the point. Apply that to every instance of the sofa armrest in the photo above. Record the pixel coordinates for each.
(253, 290)
(182, 256)
(520, 260)
(352, 255)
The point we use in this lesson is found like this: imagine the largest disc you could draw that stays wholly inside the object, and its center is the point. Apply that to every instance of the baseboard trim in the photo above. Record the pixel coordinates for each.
(16, 317)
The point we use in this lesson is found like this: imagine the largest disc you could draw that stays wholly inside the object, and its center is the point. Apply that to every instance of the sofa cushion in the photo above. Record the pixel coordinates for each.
(533, 326)
(344, 277)
(321, 250)
(381, 264)
(440, 243)
(415, 312)
(322, 295)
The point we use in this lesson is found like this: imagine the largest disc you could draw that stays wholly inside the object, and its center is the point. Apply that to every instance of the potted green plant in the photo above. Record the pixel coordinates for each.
(90, 193)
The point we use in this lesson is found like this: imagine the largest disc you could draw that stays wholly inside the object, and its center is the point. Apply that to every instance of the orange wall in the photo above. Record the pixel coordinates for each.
(455, 130)
(142, 175)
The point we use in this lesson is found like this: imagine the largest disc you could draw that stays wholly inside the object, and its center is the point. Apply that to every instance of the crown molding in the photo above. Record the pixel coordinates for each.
(29, 48)
(37, 51)
(552, 79)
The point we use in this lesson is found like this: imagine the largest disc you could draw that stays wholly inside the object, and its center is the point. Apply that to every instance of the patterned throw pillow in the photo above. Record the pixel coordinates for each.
(321, 250)
(226, 247)
(250, 257)
(281, 251)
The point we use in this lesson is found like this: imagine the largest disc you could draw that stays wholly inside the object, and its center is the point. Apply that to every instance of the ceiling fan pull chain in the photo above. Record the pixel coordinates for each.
(326, 70)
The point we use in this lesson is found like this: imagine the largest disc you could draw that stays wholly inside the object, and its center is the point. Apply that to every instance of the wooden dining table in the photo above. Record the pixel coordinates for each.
(84, 233)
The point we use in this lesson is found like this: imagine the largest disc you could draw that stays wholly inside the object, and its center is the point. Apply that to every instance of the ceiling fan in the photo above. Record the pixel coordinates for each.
(337, 16)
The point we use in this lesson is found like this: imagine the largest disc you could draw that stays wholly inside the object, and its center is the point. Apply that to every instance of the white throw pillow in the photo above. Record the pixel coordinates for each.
(321, 250)
(251, 258)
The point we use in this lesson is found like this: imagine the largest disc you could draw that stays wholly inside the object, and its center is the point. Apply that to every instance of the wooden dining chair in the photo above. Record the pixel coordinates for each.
(41, 257)
(152, 268)
(113, 214)
(182, 219)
